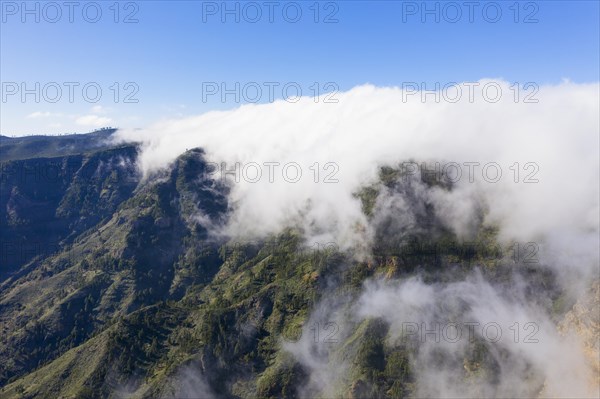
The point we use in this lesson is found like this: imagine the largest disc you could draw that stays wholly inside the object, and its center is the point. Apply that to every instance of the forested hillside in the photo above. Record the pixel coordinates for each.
(116, 285)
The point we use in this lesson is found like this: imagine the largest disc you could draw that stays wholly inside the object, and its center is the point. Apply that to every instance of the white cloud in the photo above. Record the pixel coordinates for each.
(41, 114)
(93, 120)
(371, 126)
(99, 109)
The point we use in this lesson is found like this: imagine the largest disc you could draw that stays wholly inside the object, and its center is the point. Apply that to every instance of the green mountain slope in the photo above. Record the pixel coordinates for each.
(47, 202)
(139, 299)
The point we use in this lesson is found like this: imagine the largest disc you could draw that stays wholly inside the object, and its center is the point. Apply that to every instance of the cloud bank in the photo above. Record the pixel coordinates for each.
(554, 142)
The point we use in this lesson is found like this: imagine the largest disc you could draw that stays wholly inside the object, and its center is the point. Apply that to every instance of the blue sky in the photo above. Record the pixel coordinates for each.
(177, 50)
